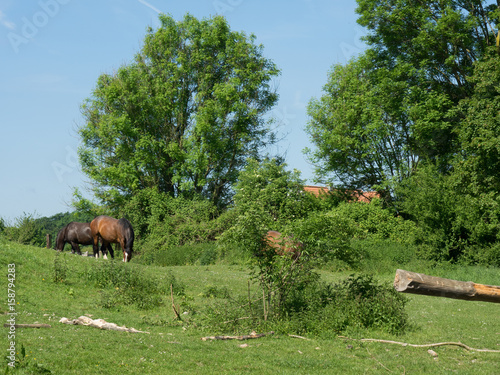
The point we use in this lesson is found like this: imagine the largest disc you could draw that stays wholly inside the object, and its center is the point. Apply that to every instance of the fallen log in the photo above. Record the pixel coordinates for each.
(418, 283)
(28, 325)
(252, 335)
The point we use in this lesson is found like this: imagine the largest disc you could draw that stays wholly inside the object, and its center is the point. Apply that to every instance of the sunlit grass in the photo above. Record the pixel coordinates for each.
(176, 347)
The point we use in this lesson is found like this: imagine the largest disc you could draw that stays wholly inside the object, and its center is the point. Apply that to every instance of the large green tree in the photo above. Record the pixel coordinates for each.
(361, 126)
(183, 117)
(390, 109)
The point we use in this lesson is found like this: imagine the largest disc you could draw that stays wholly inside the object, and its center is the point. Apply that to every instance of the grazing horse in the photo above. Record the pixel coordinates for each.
(111, 230)
(75, 233)
(283, 245)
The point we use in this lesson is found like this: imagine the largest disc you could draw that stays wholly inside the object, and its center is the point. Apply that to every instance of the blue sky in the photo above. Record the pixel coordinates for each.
(53, 51)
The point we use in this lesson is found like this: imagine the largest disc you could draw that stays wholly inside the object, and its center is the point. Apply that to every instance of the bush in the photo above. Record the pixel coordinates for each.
(319, 309)
(456, 225)
(354, 303)
(163, 224)
(268, 197)
(26, 231)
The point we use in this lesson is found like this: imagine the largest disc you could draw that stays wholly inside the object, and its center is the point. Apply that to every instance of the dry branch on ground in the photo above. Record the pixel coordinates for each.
(424, 345)
(252, 335)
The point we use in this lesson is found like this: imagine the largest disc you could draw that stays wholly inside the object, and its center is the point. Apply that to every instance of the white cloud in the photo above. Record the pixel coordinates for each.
(6, 23)
(149, 6)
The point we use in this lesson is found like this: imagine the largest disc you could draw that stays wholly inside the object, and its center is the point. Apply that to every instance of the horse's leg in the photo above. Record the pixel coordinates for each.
(95, 245)
(111, 251)
(75, 248)
(104, 249)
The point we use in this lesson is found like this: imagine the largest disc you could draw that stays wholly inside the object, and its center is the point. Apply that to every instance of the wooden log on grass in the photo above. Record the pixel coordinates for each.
(418, 283)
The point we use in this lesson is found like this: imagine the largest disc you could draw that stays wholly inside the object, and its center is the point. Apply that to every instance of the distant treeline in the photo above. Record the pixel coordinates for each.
(29, 230)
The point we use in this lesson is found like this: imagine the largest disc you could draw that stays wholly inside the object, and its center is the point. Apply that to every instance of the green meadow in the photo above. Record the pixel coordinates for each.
(51, 285)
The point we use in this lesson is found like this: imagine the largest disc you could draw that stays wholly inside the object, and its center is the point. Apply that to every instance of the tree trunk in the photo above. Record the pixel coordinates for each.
(418, 283)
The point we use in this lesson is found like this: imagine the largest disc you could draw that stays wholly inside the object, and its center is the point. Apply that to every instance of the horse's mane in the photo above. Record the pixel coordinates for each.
(125, 224)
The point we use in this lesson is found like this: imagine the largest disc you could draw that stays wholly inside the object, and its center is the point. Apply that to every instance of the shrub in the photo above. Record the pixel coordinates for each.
(319, 309)
(378, 223)
(277, 193)
(267, 197)
(164, 223)
(357, 302)
(455, 222)
(26, 231)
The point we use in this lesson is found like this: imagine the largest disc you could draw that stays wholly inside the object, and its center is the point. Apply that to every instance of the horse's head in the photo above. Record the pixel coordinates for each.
(128, 238)
(127, 255)
(59, 243)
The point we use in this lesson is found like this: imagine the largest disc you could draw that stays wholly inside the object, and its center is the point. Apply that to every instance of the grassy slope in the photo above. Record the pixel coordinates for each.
(65, 349)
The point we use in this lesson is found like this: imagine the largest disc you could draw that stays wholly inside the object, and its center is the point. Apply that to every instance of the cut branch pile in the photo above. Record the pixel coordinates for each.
(99, 323)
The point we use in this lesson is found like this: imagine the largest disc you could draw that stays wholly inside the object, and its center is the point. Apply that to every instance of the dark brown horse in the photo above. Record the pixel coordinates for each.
(76, 234)
(111, 230)
(283, 245)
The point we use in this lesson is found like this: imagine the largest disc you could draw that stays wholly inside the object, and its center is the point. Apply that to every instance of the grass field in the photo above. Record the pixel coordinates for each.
(177, 347)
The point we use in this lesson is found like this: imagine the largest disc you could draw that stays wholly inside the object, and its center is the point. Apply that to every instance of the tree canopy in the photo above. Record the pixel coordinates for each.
(183, 117)
(361, 126)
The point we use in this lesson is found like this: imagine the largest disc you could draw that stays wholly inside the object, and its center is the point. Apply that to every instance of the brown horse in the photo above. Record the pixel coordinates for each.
(283, 245)
(111, 230)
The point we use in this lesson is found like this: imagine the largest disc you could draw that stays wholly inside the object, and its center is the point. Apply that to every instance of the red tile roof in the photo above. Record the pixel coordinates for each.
(316, 190)
(361, 196)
